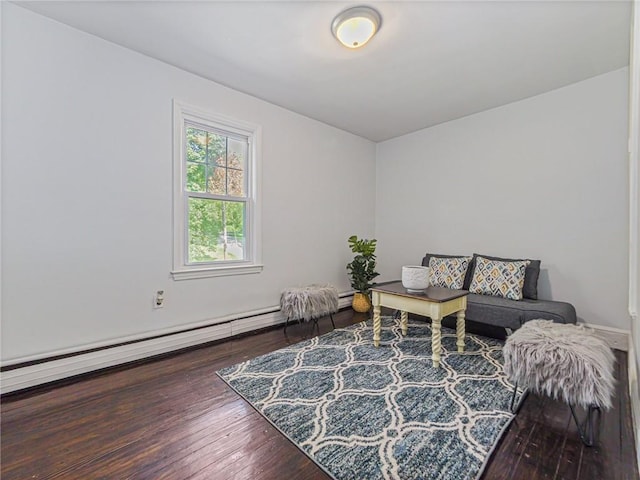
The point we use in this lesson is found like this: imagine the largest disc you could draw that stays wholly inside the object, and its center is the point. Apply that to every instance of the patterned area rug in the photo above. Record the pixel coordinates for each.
(362, 412)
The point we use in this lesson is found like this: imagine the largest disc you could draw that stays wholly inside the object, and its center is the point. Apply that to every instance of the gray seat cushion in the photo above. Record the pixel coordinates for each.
(506, 313)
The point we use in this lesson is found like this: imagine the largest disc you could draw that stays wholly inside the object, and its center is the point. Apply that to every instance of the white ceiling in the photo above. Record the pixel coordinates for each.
(430, 62)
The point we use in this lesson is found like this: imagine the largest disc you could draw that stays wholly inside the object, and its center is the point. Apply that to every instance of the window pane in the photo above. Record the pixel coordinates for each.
(196, 145)
(205, 224)
(235, 185)
(217, 149)
(216, 230)
(216, 183)
(237, 154)
(195, 177)
(236, 157)
(232, 240)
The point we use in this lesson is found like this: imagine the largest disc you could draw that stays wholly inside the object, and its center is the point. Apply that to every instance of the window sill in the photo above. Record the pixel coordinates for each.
(215, 271)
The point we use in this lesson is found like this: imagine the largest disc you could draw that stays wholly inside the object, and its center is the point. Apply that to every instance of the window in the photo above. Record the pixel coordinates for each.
(216, 222)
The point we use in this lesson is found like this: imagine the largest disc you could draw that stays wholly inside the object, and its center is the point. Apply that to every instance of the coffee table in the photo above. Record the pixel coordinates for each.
(434, 302)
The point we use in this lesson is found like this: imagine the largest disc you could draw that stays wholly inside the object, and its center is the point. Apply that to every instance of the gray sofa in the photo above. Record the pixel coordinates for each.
(512, 314)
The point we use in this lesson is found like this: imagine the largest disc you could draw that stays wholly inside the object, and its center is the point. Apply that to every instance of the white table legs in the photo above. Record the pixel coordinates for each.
(436, 341)
(404, 322)
(460, 330)
(376, 325)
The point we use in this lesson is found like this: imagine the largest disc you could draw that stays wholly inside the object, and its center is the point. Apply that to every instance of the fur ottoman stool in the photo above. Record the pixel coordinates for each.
(309, 303)
(564, 361)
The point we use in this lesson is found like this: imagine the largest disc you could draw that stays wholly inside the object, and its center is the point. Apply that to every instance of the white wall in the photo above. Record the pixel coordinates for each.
(542, 178)
(634, 221)
(86, 186)
(86, 193)
(634, 158)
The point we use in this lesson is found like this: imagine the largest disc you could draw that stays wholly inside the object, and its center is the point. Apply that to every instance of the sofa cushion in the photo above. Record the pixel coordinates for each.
(497, 278)
(531, 274)
(467, 276)
(506, 313)
(448, 272)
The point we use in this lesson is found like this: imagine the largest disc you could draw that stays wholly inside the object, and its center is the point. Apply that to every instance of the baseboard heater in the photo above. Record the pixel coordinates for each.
(57, 366)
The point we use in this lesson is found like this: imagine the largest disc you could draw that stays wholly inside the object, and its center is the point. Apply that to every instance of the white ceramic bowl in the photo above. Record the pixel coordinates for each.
(415, 278)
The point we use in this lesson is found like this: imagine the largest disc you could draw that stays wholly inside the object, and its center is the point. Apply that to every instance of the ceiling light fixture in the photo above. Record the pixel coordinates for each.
(354, 27)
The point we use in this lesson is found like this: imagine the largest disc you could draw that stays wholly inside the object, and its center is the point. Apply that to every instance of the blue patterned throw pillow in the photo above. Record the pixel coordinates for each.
(500, 279)
(448, 272)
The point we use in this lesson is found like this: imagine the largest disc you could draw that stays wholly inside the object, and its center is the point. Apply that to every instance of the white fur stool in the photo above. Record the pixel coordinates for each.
(563, 361)
(311, 302)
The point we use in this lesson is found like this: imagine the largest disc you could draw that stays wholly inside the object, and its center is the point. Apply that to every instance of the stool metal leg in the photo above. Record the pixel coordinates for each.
(286, 323)
(525, 392)
(314, 324)
(524, 395)
(587, 430)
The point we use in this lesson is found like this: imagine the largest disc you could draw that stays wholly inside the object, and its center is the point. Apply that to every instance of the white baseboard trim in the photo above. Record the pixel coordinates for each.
(615, 337)
(634, 396)
(49, 371)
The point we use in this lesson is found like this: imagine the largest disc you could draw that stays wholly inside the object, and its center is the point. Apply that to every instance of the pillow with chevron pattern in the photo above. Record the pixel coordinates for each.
(497, 278)
(448, 272)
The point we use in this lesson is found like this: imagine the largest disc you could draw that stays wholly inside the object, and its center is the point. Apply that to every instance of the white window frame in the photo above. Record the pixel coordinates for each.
(182, 270)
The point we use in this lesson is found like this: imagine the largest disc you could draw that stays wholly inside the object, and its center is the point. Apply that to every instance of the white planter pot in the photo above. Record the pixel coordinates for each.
(415, 278)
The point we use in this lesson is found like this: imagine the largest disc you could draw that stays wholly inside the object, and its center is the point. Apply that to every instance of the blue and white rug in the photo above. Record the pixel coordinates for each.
(362, 412)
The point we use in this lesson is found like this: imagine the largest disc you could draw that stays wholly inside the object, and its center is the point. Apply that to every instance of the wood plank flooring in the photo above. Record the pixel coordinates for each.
(173, 418)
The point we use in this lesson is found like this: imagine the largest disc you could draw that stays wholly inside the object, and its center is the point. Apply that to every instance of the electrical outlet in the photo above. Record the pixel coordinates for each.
(158, 299)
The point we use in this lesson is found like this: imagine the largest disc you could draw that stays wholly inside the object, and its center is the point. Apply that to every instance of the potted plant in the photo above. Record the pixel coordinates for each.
(362, 271)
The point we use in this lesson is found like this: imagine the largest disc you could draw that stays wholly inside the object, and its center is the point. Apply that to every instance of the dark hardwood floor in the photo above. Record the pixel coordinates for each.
(173, 418)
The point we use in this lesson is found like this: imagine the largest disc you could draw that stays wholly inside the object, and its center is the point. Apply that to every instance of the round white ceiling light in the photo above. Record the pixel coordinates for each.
(355, 27)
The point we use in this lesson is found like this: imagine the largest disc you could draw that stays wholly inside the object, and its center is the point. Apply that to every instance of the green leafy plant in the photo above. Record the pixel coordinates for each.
(362, 269)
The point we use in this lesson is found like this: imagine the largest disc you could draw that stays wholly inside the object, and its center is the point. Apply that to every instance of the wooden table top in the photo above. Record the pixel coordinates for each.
(432, 294)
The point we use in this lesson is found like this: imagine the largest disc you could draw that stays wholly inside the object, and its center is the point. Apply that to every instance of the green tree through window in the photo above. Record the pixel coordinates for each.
(216, 191)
